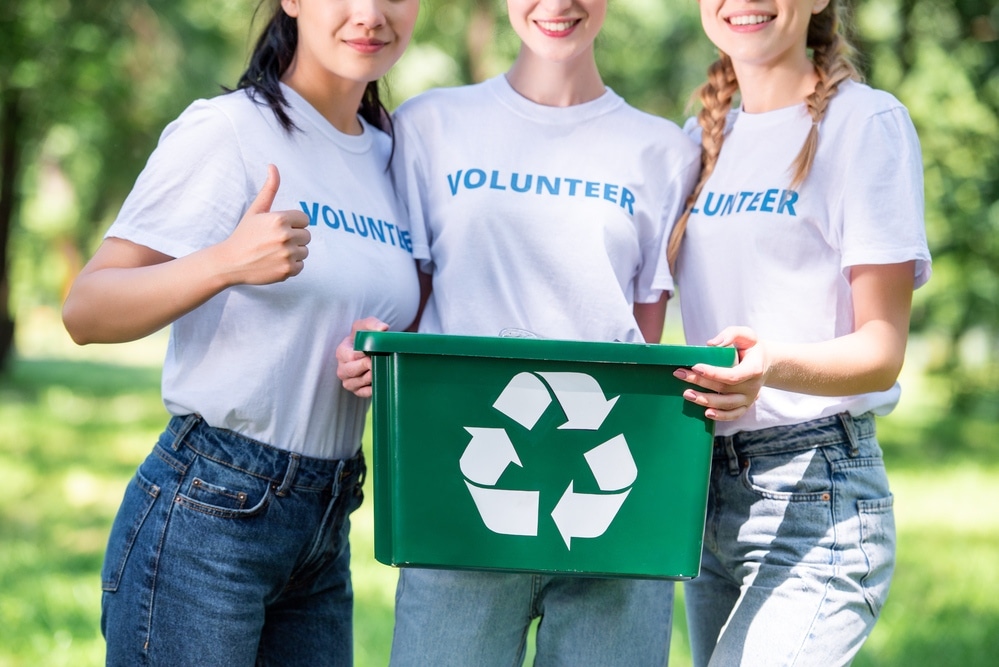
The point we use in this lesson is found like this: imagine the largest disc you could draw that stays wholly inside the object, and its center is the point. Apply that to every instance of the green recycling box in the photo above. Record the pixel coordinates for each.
(534, 455)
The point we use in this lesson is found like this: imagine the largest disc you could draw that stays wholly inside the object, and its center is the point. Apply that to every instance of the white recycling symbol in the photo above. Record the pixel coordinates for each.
(490, 452)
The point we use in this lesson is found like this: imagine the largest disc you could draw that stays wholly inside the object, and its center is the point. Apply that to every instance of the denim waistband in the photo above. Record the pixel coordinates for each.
(812, 434)
(189, 435)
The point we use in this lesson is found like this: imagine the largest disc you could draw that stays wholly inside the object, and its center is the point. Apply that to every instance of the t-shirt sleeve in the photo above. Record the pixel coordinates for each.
(655, 277)
(408, 176)
(692, 129)
(883, 201)
(193, 191)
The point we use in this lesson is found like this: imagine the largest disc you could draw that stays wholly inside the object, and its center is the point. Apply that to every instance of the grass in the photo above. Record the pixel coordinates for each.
(75, 423)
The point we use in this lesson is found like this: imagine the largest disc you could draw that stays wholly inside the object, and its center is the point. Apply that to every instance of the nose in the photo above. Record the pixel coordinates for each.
(556, 7)
(368, 13)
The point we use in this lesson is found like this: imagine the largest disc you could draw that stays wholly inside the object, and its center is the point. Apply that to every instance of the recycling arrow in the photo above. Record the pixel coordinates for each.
(524, 399)
(586, 514)
(506, 511)
(612, 464)
(490, 452)
(581, 399)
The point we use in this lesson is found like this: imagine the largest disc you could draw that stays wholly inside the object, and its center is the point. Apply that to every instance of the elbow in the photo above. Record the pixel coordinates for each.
(887, 375)
(71, 321)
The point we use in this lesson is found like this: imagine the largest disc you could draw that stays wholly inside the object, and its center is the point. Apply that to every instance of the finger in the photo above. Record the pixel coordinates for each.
(719, 407)
(265, 198)
(368, 324)
(364, 392)
(360, 386)
(298, 220)
(719, 375)
(345, 350)
(710, 377)
(350, 371)
(725, 415)
(740, 337)
(726, 402)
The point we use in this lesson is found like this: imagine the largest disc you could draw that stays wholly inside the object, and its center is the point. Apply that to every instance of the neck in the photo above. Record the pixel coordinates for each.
(765, 89)
(556, 84)
(337, 100)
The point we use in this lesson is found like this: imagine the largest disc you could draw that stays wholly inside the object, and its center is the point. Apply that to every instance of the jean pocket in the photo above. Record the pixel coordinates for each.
(222, 491)
(803, 476)
(140, 495)
(877, 539)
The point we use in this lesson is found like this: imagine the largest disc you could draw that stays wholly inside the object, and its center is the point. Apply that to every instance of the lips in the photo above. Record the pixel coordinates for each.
(367, 45)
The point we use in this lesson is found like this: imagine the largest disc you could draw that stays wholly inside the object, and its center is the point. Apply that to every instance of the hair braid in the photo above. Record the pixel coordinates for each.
(716, 102)
(832, 55)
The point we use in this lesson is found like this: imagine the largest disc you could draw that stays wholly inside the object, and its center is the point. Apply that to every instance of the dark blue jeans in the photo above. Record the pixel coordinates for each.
(226, 551)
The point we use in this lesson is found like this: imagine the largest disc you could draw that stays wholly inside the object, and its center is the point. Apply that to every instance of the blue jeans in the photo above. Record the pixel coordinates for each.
(799, 546)
(226, 551)
(451, 618)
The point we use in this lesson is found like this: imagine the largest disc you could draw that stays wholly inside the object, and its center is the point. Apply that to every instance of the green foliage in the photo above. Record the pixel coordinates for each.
(95, 84)
(942, 60)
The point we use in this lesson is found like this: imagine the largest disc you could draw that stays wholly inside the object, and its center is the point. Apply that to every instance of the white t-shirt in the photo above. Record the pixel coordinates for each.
(759, 254)
(549, 219)
(260, 360)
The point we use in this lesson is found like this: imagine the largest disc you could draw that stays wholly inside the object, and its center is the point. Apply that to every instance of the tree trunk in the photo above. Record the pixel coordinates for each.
(10, 154)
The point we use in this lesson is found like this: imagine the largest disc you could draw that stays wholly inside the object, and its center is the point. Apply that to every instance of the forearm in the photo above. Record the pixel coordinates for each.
(650, 318)
(865, 361)
(118, 304)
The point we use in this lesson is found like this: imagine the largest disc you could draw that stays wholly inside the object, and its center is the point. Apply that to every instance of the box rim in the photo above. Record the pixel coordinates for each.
(393, 342)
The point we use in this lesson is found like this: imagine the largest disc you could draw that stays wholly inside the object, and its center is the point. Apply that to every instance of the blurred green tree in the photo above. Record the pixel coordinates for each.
(85, 88)
(941, 58)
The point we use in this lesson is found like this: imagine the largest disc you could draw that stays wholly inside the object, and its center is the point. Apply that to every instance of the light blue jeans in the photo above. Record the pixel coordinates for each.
(799, 547)
(448, 618)
(226, 551)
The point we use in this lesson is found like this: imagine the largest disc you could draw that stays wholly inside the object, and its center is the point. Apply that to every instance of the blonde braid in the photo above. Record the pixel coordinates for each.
(832, 55)
(716, 102)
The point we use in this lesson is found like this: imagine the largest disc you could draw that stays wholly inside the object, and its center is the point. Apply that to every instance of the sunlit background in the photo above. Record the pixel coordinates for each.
(86, 86)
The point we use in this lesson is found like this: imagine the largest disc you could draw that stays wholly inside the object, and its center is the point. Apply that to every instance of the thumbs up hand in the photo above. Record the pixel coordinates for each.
(266, 246)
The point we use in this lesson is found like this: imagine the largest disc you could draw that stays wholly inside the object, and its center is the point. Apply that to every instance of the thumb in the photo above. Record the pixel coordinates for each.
(262, 204)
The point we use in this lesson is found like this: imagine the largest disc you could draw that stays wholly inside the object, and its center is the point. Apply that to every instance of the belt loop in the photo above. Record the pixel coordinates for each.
(733, 458)
(289, 475)
(846, 419)
(189, 422)
(338, 476)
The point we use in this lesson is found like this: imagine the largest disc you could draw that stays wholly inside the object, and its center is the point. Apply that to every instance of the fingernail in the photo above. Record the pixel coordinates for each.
(680, 374)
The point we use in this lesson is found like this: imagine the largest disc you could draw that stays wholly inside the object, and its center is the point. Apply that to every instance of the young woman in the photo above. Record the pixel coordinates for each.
(230, 547)
(803, 245)
(541, 201)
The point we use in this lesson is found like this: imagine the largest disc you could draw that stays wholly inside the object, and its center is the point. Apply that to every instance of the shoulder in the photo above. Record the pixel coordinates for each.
(440, 101)
(864, 118)
(692, 127)
(650, 129)
(857, 101)
(643, 120)
(225, 114)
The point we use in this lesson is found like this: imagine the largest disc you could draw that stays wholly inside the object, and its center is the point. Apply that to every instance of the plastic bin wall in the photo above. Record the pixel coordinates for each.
(538, 455)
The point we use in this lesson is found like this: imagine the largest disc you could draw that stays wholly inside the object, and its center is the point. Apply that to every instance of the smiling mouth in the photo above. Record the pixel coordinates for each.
(557, 26)
(752, 19)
